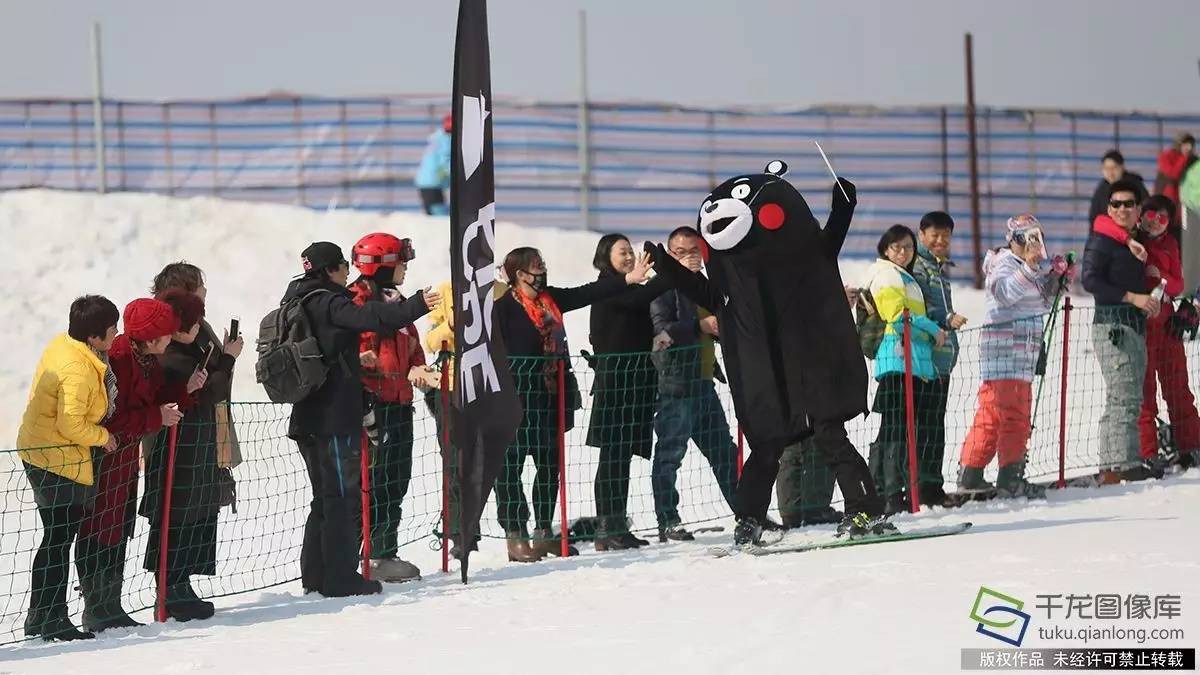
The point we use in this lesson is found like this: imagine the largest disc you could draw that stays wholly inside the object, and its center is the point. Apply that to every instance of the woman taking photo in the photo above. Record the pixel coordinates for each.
(530, 318)
(624, 391)
(894, 290)
(73, 393)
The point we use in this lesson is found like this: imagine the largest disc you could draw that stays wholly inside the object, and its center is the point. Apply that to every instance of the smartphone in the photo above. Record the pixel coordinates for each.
(233, 328)
(212, 349)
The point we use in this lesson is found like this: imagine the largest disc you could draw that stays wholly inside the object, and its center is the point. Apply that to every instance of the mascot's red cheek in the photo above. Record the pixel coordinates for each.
(771, 216)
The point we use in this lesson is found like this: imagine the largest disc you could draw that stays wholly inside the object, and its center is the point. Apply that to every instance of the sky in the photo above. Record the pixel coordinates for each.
(1081, 54)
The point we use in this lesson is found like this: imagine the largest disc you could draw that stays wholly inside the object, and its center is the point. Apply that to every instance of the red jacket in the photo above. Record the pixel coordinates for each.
(1171, 164)
(1162, 252)
(398, 352)
(140, 391)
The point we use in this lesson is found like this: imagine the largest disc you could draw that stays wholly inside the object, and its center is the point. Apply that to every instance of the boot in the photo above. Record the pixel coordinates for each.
(546, 543)
(612, 536)
(747, 532)
(519, 549)
(931, 495)
(970, 479)
(896, 503)
(54, 626)
(1011, 483)
(202, 607)
(674, 533)
(102, 600)
(356, 586)
(394, 570)
(632, 540)
(857, 525)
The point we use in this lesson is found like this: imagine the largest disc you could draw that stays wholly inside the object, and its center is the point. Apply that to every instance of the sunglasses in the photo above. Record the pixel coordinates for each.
(1160, 217)
(1119, 203)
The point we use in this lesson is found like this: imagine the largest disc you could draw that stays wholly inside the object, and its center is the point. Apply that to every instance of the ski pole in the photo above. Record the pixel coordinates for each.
(1047, 339)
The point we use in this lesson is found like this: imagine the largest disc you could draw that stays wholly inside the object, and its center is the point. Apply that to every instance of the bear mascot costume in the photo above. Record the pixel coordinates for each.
(791, 349)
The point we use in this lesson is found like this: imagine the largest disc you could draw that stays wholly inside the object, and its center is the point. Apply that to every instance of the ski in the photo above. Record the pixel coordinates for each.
(923, 533)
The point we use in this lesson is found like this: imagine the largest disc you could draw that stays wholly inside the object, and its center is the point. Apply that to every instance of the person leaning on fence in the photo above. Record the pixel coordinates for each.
(1020, 284)
(1166, 360)
(327, 425)
(393, 363)
(530, 318)
(624, 390)
(894, 289)
(197, 485)
(145, 404)
(931, 269)
(1117, 280)
(688, 407)
(62, 438)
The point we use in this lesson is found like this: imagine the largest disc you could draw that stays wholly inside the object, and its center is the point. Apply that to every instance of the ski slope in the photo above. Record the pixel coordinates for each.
(895, 608)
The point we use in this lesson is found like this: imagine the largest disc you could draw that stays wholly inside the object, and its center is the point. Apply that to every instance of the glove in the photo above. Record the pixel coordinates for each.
(839, 200)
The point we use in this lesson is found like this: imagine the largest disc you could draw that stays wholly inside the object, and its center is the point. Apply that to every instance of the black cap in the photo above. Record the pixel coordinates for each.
(320, 255)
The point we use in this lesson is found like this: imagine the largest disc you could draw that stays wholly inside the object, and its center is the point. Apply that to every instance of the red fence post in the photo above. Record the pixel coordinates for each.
(1062, 405)
(446, 455)
(741, 458)
(910, 415)
(164, 535)
(562, 452)
(366, 505)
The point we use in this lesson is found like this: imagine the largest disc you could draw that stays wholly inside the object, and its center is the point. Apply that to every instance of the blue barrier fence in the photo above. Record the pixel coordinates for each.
(650, 164)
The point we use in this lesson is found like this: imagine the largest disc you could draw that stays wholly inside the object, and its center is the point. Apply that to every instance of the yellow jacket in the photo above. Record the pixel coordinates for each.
(67, 401)
(439, 317)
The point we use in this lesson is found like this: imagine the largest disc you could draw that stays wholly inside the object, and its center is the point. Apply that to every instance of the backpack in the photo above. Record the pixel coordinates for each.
(290, 364)
(870, 327)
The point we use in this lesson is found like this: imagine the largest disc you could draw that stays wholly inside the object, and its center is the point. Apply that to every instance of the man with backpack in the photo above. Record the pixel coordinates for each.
(309, 355)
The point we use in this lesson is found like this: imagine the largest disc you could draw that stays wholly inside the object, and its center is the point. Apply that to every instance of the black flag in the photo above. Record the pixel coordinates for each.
(485, 410)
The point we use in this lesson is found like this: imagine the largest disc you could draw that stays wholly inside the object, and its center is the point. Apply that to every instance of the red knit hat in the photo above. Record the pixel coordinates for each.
(149, 319)
(188, 307)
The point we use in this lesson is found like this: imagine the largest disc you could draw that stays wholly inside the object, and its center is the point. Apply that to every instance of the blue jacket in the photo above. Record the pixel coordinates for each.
(895, 290)
(934, 277)
(434, 172)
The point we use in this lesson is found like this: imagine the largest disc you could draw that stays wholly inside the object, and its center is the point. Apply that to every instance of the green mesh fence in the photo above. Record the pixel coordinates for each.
(641, 451)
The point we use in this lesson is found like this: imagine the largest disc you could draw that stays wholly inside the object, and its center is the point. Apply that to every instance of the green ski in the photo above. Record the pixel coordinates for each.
(923, 533)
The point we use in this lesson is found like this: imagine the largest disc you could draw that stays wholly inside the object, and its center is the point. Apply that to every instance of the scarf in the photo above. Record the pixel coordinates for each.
(547, 318)
(110, 384)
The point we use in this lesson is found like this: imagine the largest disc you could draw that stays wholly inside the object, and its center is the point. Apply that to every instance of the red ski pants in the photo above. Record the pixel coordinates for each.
(1166, 362)
(1001, 425)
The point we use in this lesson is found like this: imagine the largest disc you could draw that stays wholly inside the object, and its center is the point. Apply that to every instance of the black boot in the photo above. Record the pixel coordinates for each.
(203, 608)
(748, 532)
(610, 537)
(674, 533)
(54, 626)
(1011, 483)
(101, 589)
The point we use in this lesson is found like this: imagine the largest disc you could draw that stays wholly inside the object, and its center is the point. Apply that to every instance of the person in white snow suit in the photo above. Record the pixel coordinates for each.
(1020, 285)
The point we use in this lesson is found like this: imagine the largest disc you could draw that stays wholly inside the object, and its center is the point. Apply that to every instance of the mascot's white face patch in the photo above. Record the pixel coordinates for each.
(725, 222)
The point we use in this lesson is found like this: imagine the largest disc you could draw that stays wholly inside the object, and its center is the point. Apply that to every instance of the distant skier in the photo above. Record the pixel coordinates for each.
(433, 175)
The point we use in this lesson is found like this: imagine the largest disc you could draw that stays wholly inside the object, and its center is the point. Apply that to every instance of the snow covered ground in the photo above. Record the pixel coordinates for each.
(888, 608)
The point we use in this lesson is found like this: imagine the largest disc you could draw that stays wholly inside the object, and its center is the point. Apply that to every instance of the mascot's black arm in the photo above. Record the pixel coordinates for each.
(569, 299)
(694, 285)
(838, 225)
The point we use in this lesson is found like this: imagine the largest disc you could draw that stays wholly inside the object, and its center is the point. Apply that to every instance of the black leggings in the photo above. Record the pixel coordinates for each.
(612, 484)
(537, 438)
(52, 563)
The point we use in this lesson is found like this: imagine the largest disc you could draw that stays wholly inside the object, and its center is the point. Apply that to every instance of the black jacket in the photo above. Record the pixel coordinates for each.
(679, 367)
(197, 484)
(1100, 195)
(336, 409)
(1110, 271)
(522, 339)
(626, 385)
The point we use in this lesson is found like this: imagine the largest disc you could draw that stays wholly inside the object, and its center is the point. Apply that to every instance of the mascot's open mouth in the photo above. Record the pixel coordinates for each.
(720, 224)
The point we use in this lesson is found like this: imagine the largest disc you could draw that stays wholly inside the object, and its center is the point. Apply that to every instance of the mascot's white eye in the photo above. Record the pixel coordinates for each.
(740, 191)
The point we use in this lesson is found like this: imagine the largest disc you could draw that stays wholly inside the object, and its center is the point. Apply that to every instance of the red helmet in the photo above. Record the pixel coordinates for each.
(448, 123)
(380, 249)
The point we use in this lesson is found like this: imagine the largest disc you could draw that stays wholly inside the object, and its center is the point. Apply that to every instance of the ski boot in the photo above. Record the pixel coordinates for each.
(970, 479)
(1011, 483)
(858, 525)
(748, 532)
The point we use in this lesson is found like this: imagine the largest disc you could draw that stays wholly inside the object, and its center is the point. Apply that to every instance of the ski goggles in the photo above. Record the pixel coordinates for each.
(1161, 217)
(406, 254)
